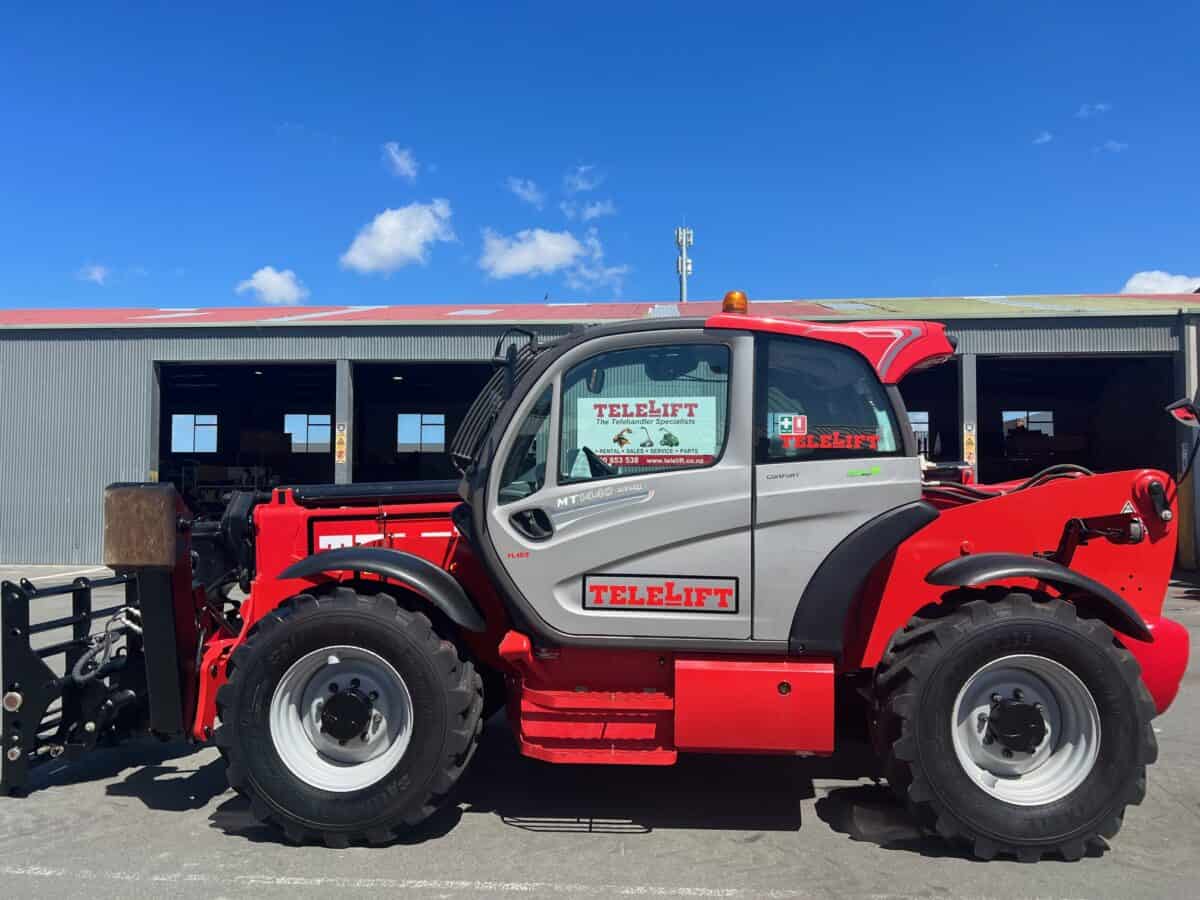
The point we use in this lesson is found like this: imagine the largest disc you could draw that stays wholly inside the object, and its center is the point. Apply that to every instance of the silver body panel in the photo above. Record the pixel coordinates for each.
(803, 510)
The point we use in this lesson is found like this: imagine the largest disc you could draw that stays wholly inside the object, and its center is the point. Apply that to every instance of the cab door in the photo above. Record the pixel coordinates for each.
(619, 502)
(831, 455)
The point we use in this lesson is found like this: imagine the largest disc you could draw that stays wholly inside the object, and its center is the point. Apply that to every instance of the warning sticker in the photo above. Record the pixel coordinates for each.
(791, 423)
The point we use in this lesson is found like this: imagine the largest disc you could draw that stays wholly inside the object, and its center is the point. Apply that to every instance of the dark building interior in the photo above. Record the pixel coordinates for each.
(406, 414)
(1103, 412)
(254, 426)
(227, 427)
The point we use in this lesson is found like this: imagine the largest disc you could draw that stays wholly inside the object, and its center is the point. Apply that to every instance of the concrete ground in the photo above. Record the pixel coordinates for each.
(151, 820)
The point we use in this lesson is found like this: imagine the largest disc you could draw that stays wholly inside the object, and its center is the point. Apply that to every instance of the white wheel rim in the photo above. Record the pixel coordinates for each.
(317, 758)
(1064, 757)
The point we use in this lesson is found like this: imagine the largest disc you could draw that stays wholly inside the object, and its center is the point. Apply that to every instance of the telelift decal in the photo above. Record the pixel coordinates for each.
(649, 432)
(655, 593)
(792, 430)
(834, 440)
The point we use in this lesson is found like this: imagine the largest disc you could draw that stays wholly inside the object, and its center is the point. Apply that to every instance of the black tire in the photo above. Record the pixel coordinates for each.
(447, 698)
(916, 685)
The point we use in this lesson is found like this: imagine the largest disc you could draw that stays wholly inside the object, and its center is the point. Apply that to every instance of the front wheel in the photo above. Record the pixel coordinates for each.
(347, 718)
(1009, 723)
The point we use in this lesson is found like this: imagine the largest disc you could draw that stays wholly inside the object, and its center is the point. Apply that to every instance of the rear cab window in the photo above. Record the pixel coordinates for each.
(816, 401)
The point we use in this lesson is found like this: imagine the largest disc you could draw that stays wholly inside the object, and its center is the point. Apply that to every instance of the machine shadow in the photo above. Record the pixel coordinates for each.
(870, 813)
(748, 793)
(1186, 584)
(745, 793)
(110, 762)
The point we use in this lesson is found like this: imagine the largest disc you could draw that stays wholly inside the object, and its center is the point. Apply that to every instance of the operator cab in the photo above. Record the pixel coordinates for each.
(682, 480)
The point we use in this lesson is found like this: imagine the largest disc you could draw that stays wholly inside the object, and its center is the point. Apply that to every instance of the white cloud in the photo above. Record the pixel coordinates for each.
(269, 285)
(587, 211)
(94, 273)
(527, 190)
(535, 251)
(591, 273)
(1111, 146)
(1043, 137)
(400, 160)
(582, 178)
(399, 237)
(529, 252)
(1089, 110)
(1159, 282)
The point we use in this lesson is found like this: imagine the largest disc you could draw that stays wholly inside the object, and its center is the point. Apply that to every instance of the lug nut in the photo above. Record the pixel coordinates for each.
(374, 695)
(1007, 753)
(13, 701)
(341, 743)
(354, 682)
(89, 727)
(1018, 694)
(333, 687)
(996, 698)
(13, 754)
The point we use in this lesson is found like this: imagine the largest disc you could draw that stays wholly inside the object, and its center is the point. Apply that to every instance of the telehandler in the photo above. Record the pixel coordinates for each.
(782, 574)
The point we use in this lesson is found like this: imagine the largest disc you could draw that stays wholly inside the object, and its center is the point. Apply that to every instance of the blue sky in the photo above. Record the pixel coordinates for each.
(444, 153)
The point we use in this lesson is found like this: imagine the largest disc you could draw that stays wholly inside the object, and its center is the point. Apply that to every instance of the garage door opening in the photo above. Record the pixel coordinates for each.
(931, 397)
(243, 427)
(406, 415)
(1105, 413)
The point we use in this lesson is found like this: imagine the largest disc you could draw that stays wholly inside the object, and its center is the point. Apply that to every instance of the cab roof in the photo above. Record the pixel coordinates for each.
(894, 348)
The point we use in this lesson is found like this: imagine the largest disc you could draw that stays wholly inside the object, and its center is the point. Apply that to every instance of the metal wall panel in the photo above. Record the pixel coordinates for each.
(77, 406)
(1063, 336)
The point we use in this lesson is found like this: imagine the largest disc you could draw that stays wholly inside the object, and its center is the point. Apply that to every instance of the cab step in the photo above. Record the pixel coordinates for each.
(608, 727)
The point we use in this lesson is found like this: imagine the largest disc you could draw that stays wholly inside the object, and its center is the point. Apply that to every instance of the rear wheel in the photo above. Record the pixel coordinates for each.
(347, 718)
(1010, 724)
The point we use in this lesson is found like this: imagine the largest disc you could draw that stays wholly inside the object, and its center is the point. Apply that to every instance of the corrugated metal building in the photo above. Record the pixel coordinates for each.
(89, 397)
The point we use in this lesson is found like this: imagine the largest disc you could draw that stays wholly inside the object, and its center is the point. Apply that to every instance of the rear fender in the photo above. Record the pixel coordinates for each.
(1093, 599)
(421, 576)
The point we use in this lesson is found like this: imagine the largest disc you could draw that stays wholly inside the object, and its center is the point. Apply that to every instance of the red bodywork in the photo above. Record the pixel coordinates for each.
(592, 705)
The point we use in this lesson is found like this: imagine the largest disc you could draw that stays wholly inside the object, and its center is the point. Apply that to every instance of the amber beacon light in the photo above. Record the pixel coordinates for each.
(735, 302)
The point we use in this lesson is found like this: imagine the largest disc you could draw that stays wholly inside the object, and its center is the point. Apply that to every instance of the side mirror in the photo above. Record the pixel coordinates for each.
(1185, 412)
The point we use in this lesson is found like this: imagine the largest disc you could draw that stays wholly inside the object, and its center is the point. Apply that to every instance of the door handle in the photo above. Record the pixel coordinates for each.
(533, 523)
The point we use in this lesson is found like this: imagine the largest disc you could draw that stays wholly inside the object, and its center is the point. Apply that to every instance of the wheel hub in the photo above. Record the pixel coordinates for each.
(1025, 729)
(341, 718)
(1018, 726)
(346, 714)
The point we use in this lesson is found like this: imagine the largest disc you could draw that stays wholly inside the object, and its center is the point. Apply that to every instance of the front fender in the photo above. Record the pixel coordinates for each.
(435, 584)
(1092, 598)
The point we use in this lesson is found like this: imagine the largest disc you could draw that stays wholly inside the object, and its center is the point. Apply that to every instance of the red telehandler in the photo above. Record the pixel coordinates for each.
(772, 569)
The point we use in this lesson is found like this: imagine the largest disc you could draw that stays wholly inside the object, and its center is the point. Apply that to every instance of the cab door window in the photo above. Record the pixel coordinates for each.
(524, 470)
(820, 401)
(646, 409)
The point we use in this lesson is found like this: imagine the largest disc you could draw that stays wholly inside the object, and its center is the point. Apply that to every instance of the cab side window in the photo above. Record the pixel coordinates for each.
(646, 409)
(817, 400)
